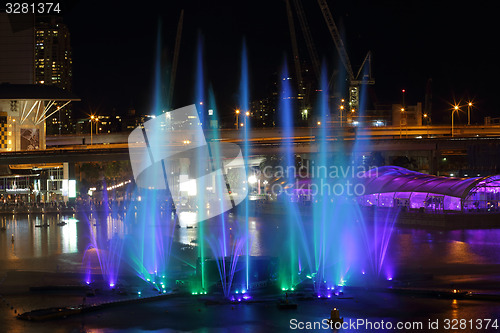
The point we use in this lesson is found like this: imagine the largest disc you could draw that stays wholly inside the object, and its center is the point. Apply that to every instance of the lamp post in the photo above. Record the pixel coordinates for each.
(403, 106)
(401, 123)
(468, 113)
(15, 134)
(341, 111)
(237, 118)
(247, 118)
(426, 116)
(455, 109)
(91, 120)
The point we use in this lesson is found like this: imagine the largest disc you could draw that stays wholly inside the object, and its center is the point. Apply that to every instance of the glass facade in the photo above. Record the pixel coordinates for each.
(398, 187)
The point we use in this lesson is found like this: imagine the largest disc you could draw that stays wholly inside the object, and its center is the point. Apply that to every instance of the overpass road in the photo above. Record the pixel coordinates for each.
(114, 147)
(257, 146)
(275, 134)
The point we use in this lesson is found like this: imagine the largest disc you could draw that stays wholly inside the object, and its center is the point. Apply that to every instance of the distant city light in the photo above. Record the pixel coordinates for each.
(110, 188)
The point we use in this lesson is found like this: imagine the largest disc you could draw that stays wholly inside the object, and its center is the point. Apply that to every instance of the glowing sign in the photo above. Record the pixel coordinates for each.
(72, 188)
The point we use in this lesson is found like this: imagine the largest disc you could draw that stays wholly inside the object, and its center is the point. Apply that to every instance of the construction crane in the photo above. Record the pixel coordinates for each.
(303, 92)
(295, 49)
(175, 60)
(313, 55)
(308, 39)
(296, 59)
(354, 80)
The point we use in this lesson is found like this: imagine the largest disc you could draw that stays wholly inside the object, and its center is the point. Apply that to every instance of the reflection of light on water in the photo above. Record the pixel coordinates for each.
(37, 242)
(187, 236)
(69, 237)
(454, 309)
(256, 240)
(459, 252)
(115, 227)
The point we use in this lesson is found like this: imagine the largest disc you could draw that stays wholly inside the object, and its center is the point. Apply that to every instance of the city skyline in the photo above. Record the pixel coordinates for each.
(410, 44)
(317, 164)
(114, 76)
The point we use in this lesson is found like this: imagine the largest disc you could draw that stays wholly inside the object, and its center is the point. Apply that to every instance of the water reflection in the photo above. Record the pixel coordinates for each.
(40, 237)
(37, 236)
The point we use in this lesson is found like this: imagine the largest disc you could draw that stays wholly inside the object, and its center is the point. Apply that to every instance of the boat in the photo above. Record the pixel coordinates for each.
(335, 317)
(61, 223)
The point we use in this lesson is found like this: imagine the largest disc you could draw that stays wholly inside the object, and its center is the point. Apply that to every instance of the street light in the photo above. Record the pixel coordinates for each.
(426, 116)
(456, 108)
(341, 111)
(401, 122)
(91, 120)
(468, 112)
(14, 136)
(237, 117)
(247, 118)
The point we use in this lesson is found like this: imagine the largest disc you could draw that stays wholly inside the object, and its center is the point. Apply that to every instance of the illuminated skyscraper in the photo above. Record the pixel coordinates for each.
(53, 66)
(36, 50)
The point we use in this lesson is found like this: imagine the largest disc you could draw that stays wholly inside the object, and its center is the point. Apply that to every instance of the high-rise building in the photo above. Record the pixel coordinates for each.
(263, 112)
(53, 66)
(36, 50)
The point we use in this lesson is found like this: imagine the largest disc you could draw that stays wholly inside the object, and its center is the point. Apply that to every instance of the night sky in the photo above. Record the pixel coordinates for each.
(114, 44)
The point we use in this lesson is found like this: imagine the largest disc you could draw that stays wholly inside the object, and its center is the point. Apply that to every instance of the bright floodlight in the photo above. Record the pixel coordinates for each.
(252, 179)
